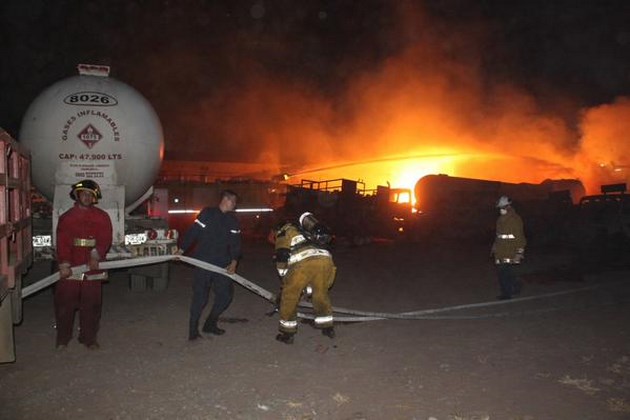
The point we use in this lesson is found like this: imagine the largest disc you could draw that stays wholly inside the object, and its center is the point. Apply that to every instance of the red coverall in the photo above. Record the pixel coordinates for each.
(81, 231)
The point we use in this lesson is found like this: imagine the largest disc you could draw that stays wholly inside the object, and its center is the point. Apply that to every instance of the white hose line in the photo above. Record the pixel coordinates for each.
(351, 319)
(422, 314)
(237, 278)
(360, 315)
(107, 265)
(80, 269)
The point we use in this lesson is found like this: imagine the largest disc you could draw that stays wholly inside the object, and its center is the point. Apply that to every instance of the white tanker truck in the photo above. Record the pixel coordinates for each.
(92, 126)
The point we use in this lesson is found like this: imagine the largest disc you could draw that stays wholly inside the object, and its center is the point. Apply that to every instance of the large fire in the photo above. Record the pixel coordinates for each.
(396, 172)
(520, 147)
(429, 108)
(408, 121)
(405, 171)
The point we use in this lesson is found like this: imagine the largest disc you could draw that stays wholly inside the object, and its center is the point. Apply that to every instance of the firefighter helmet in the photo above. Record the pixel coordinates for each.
(86, 184)
(314, 229)
(307, 220)
(504, 201)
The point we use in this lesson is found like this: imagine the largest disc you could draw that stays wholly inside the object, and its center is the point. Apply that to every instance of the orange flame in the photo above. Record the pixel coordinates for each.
(429, 109)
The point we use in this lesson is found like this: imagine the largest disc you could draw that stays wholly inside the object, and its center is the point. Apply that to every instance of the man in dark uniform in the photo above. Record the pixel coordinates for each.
(508, 248)
(84, 235)
(217, 236)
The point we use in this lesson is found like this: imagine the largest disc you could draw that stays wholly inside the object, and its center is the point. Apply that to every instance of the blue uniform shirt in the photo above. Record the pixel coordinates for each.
(218, 237)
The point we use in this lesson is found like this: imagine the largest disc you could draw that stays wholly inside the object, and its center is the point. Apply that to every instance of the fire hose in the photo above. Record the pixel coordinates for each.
(134, 262)
(359, 316)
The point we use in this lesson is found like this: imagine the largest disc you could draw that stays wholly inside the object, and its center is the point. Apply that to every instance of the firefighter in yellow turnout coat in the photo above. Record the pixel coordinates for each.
(508, 248)
(302, 260)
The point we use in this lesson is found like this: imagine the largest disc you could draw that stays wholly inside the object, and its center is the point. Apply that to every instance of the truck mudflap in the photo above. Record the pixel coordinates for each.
(7, 345)
(16, 301)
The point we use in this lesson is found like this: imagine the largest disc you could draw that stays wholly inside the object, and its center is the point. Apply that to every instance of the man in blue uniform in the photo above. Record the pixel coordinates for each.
(217, 236)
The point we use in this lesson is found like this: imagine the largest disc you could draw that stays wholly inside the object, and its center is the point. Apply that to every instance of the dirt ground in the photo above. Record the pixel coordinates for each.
(563, 356)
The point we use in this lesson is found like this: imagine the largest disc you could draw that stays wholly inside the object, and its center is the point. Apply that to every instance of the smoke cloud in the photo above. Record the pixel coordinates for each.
(377, 90)
(433, 103)
(605, 143)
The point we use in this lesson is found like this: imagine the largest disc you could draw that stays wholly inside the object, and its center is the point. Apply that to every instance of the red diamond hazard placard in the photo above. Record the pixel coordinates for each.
(89, 136)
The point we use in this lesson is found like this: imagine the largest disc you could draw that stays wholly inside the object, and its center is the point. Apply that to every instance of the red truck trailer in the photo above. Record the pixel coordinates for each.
(16, 243)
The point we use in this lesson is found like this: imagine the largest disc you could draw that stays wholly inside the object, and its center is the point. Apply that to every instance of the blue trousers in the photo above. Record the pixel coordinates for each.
(223, 289)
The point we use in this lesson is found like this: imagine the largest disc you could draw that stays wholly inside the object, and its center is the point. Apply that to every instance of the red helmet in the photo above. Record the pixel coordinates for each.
(86, 184)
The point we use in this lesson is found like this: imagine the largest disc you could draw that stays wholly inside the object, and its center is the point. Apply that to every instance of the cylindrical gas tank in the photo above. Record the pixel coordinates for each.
(92, 126)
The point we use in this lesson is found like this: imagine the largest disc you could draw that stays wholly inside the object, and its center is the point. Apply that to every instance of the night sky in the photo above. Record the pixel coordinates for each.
(237, 80)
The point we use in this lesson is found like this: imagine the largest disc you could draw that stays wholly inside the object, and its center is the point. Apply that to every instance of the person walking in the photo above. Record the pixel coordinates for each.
(84, 235)
(303, 260)
(508, 249)
(217, 236)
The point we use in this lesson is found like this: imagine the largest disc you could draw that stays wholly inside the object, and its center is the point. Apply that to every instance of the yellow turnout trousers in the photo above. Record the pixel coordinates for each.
(318, 272)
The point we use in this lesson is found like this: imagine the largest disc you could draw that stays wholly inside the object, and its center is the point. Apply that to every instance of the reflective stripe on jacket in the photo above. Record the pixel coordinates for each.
(510, 236)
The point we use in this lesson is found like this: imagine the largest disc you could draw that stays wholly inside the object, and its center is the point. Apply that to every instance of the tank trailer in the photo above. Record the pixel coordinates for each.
(92, 126)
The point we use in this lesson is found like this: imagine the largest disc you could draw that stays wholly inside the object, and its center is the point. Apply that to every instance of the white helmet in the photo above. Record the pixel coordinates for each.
(304, 216)
(504, 201)
(315, 230)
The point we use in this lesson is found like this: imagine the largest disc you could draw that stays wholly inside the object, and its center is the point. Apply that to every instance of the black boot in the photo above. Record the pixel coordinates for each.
(210, 326)
(329, 332)
(284, 337)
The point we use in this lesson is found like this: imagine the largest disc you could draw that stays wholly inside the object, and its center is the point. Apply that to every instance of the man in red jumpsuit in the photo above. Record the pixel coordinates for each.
(84, 235)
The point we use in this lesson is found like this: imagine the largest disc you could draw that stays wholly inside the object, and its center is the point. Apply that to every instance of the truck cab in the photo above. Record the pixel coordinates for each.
(602, 226)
